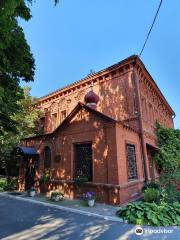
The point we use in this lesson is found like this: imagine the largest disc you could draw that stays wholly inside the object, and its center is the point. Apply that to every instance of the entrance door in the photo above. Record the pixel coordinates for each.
(83, 161)
(30, 172)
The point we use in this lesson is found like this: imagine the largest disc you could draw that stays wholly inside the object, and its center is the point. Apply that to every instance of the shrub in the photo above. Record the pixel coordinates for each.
(151, 185)
(169, 182)
(153, 214)
(168, 156)
(151, 195)
(55, 194)
(79, 181)
(45, 177)
(3, 183)
(11, 184)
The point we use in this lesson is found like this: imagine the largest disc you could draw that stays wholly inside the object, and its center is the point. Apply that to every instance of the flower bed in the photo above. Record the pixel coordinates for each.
(143, 213)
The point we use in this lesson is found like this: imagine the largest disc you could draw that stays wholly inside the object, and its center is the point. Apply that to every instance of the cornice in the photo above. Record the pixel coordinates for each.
(147, 78)
(103, 75)
(121, 66)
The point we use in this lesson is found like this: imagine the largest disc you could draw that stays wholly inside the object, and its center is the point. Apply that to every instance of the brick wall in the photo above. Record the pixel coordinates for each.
(115, 90)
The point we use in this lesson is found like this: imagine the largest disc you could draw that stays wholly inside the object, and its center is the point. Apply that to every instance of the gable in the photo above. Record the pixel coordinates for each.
(83, 117)
(84, 120)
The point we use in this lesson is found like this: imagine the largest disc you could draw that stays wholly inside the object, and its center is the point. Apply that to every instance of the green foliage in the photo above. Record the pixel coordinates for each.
(79, 181)
(16, 65)
(151, 195)
(11, 184)
(168, 160)
(45, 178)
(8, 184)
(3, 183)
(151, 185)
(54, 194)
(168, 156)
(152, 214)
(169, 182)
(16, 61)
(25, 126)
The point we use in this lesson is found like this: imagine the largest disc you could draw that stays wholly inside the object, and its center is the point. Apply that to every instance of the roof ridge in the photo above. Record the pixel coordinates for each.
(86, 78)
(80, 104)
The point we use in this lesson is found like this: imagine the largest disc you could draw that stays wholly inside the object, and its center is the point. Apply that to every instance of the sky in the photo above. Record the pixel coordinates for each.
(69, 40)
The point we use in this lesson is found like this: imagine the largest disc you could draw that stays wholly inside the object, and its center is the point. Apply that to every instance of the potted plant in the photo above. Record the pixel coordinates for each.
(32, 192)
(90, 198)
(44, 180)
(57, 196)
(79, 181)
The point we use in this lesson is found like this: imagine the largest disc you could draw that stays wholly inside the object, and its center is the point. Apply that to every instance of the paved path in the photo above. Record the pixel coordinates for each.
(20, 220)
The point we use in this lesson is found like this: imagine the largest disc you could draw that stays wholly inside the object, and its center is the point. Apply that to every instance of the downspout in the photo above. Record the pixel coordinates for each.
(173, 117)
(141, 134)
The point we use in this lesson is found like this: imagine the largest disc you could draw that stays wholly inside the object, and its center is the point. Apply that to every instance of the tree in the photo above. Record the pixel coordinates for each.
(25, 126)
(16, 64)
(16, 60)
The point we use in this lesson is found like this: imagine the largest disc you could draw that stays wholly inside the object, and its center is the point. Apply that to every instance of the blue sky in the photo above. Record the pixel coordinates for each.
(78, 35)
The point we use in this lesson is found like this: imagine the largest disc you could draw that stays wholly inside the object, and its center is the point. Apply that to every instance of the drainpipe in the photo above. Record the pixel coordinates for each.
(143, 144)
(173, 117)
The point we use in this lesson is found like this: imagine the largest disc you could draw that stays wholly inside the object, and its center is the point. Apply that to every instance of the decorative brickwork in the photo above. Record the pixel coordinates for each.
(129, 105)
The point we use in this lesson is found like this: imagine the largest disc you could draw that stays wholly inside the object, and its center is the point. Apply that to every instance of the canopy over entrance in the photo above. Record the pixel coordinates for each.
(30, 151)
(29, 160)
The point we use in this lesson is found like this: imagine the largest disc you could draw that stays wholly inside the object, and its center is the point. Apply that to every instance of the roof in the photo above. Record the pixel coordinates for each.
(26, 150)
(88, 77)
(80, 106)
(141, 64)
(72, 114)
(130, 59)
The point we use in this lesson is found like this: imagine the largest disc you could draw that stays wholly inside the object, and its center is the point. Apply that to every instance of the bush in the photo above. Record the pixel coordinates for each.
(151, 185)
(170, 181)
(11, 184)
(3, 183)
(152, 214)
(45, 178)
(79, 181)
(168, 156)
(55, 194)
(151, 195)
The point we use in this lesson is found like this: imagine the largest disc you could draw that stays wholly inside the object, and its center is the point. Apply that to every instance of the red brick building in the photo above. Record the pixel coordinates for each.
(103, 128)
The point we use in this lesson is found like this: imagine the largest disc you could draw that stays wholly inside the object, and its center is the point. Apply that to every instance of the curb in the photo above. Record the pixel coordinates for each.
(90, 214)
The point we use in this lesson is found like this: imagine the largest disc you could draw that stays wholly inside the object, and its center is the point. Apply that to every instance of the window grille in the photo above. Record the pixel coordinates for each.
(47, 158)
(83, 161)
(131, 159)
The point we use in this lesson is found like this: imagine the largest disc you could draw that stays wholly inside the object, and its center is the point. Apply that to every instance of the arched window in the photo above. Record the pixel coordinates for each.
(47, 157)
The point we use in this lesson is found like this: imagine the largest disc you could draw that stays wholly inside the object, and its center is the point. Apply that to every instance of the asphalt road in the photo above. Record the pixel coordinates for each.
(21, 220)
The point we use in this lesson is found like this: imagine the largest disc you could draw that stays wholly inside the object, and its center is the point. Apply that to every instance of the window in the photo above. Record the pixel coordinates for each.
(47, 158)
(63, 115)
(131, 160)
(54, 120)
(83, 161)
(41, 125)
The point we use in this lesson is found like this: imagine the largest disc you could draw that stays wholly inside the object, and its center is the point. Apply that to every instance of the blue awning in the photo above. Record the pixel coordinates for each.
(26, 150)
